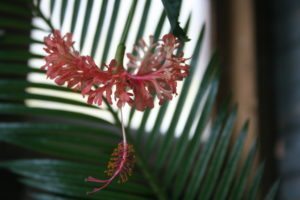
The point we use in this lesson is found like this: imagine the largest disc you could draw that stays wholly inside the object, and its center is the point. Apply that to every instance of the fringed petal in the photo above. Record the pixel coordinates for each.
(159, 67)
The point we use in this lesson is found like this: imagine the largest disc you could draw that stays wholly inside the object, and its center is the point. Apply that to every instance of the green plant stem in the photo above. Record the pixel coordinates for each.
(121, 47)
(120, 54)
(139, 158)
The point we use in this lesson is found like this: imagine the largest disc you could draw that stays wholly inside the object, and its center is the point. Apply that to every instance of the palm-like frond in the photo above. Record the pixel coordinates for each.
(168, 166)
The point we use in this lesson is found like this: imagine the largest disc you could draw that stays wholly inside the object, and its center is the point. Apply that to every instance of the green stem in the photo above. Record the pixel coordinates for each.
(121, 47)
(140, 161)
(120, 54)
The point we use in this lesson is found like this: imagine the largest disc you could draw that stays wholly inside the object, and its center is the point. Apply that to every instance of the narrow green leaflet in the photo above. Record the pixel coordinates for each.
(18, 109)
(86, 22)
(45, 196)
(178, 153)
(187, 161)
(201, 164)
(63, 11)
(172, 8)
(74, 18)
(143, 21)
(166, 143)
(13, 9)
(52, 4)
(253, 192)
(216, 163)
(65, 141)
(159, 26)
(99, 28)
(111, 29)
(231, 165)
(272, 193)
(155, 132)
(69, 173)
(239, 186)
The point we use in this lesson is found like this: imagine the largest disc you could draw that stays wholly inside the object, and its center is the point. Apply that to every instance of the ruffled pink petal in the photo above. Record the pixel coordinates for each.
(157, 68)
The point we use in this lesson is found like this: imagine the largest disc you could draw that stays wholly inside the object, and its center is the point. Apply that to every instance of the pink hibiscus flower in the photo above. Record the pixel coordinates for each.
(153, 70)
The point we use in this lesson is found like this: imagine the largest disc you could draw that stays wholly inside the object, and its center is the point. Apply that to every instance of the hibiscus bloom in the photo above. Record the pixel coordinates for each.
(153, 70)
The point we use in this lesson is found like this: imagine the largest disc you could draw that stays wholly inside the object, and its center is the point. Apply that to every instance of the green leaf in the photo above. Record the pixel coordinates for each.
(272, 193)
(143, 21)
(166, 143)
(45, 196)
(99, 28)
(172, 8)
(17, 55)
(68, 172)
(155, 132)
(15, 69)
(75, 16)
(65, 141)
(190, 153)
(7, 84)
(256, 183)
(231, 166)
(159, 26)
(17, 39)
(141, 130)
(239, 186)
(201, 163)
(52, 4)
(110, 31)
(180, 148)
(216, 163)
(79, 191)
(128, 23)
(63, 11)
(17, 109)
(24, 95)
(87, 18)
(15, 24)
(14, 9)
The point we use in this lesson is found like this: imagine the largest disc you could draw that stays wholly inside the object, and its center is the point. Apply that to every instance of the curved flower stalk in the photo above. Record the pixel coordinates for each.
(153, 70)
(121, 163)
